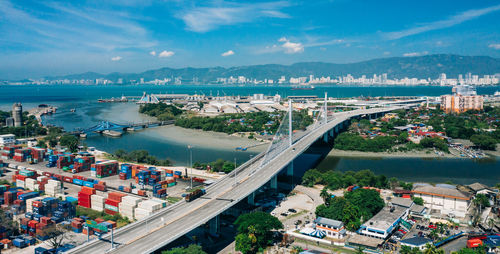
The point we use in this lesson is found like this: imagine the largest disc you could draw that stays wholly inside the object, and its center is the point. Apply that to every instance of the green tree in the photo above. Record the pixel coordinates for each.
(255, 227)
(69, 141)
(191, 249)
(431, 249)
(418, 200)
(324, 194)
(482, 200)
(485, 142)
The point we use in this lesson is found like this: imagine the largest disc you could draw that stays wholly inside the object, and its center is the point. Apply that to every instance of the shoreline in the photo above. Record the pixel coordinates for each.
(411, 154)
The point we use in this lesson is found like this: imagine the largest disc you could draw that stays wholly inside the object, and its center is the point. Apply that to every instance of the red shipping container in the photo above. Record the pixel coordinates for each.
(45, 220)
(116, 196)
(68, 179)
(110, 212)
(41, 225)
(87, 190)
(100, 187)
(21, 177)
(141, 193)
(32, 223)
(112, 202)
(99, 220)
(37, 204)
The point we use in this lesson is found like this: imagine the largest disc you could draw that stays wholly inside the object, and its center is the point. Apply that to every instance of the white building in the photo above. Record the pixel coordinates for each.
(383, 223)
(446, 201)
(332, 228)
(7, 139)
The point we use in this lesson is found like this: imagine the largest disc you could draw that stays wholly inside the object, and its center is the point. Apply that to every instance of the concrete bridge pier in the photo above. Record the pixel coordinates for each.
(251, 198)
(325, 137)
(331, 133)
(214, 226)
(274, 182)
(289, 169)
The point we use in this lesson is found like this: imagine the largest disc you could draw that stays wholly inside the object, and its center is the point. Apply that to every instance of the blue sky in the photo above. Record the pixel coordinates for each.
(41, 38)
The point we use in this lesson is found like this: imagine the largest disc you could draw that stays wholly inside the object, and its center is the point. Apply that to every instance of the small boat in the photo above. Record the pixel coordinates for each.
(72, 110)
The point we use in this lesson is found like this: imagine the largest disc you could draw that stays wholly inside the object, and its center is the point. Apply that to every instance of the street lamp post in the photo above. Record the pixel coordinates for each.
(191, 163)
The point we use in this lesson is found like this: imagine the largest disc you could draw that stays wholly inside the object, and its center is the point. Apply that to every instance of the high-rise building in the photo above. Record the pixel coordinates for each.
(17, 114)
(464, 98)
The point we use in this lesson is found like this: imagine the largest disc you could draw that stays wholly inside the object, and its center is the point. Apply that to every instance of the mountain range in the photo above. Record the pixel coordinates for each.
(428, 66)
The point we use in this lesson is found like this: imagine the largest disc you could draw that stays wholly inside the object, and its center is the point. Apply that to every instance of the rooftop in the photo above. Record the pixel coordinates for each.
(403, 202)
(384, 219)
(417, 209)
(329, 222)
(441, 191)
(416, 241)
(477, 186)
(365, 240)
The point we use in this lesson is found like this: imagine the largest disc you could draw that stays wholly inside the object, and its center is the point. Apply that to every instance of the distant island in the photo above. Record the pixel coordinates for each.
(420, 68)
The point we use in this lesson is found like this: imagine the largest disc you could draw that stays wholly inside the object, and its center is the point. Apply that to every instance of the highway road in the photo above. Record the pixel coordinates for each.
(157, 230)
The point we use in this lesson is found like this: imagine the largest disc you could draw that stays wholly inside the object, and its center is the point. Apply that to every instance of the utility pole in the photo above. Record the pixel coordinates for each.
(290, 131)
(191, 164)
(234, 171)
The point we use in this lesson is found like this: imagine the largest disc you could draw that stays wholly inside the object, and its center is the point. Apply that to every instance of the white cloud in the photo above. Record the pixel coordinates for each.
(291, 47)
(203, 19)
(153, 53)
(440, 24)
(413, 54)
(494, 46)
(228, 53)
(116, 58)
(166, 53)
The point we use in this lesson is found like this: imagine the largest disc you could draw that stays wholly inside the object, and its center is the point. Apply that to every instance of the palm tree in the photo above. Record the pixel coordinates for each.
(431, 249)
(325, 195)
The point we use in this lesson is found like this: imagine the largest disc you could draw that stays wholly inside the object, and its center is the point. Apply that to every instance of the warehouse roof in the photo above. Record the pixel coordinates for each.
(442, 192)
(477, 186)
(329, 222)
(403, 202)
(365, 240)
(385, 218)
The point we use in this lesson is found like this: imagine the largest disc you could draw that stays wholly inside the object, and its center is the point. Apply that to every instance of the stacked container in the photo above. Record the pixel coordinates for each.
(84, 196)
(97, 202)
(111, 204)
(22, 154)
(29, 204)
(148, 207)
(65, 161)
(53, 188)
(127, 206)
(104, 169)
(52, 161)
(31, 184)
(125, 171)
(83, 163)
(37, 154)
(8, 152)
(77, 225)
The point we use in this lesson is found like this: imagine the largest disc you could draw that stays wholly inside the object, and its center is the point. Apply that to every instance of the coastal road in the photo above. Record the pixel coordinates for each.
(154, 232)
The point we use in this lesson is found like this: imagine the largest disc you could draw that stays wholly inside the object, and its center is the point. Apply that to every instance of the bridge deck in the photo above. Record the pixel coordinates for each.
(152, 233)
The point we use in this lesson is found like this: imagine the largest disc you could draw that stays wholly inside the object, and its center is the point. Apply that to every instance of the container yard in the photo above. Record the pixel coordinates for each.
(49, 187)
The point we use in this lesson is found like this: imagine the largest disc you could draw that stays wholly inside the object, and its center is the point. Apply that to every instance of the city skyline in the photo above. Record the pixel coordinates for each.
(56, 38)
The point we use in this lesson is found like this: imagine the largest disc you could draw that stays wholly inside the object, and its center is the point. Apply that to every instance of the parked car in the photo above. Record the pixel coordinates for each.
(292, 210)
